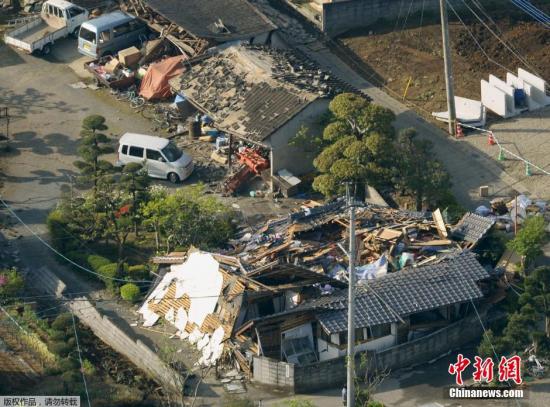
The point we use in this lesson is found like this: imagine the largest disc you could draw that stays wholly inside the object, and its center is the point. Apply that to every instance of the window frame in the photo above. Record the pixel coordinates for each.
(136, 147)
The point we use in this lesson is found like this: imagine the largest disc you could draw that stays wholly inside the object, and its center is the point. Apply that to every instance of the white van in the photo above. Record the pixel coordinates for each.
(161, 157)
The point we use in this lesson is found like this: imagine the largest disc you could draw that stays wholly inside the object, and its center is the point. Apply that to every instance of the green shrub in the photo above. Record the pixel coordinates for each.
(78, 256)
(138, 272)
(96, 261)
(88, 367)
(11, 283)
(130, 292)
(108, 273)
(67, 364)
(71, 377)
(60, 348)
(58, 226)
(62, 322)
(58, 335)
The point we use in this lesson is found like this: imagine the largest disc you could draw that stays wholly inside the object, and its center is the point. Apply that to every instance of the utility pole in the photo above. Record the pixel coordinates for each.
(351, 302)
(448, 67)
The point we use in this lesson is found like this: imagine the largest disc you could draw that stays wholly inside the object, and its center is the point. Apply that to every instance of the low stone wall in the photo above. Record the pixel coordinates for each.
(136, 351)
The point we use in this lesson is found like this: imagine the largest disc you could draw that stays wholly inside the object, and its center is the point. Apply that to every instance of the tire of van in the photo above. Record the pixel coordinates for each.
(74, 33)
(173, 178)
(46, 49)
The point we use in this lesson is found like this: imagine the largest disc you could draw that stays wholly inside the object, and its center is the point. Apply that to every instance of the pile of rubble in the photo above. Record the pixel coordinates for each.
(389, 239)
(297, 257)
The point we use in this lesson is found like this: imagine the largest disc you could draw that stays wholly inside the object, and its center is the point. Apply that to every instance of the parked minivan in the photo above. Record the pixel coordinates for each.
(108, 34)
(161, 157)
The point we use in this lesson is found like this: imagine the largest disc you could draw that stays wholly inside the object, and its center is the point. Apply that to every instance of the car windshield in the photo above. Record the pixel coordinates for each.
(171, 152)
(87, 35)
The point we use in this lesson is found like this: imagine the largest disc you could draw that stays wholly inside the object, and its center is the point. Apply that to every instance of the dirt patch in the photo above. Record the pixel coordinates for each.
(415, 53)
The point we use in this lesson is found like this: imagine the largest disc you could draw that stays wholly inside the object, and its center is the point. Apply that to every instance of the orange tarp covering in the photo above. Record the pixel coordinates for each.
(154, 84)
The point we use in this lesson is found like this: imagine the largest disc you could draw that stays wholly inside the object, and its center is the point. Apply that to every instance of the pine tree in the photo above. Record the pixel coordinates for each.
(93, 144)
(135, 181)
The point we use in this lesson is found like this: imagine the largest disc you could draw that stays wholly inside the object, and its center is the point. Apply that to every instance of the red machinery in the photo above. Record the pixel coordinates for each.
(252, 163)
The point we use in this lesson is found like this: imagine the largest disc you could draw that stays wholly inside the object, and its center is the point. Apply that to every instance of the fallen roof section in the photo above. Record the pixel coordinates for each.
(472, 227)
(220, 20)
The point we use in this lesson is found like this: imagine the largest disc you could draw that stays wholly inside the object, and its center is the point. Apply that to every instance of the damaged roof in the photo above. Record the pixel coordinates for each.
(396, 295)
(220, 20)
(252, 91)
(472, 227)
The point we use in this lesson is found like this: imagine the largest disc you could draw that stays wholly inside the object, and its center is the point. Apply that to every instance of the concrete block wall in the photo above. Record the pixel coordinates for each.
(273, 372)
(332, 373)
(106, 330)
(339, 17)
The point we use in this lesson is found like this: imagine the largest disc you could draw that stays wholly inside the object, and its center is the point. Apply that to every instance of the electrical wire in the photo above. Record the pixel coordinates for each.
(51, 248)
(516, 54)
(80, 359)
(475, 39)
(497, 27)
(533, 11)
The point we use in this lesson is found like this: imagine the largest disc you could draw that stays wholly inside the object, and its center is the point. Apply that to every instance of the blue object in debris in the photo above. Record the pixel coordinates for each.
(221, 141)
(179, 99)
(206, 119)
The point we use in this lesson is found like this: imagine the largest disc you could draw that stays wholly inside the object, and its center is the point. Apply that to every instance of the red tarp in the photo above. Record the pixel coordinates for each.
(154, 84)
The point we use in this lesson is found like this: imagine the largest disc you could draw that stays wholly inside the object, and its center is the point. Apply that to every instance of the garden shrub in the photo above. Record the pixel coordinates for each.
(62, 322)
(11, 283)
(60, 348)
(138, 272)
(96, 261)
(130, 292)
(59, 230)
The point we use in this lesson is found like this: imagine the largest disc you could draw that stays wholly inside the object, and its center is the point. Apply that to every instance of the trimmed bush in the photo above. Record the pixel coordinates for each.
(108, 273)
(78, 257)
(96, 262)
(60, 348)
(11, 283)
(58, 226)
(130, 292)
(138, 272)
(62, 322)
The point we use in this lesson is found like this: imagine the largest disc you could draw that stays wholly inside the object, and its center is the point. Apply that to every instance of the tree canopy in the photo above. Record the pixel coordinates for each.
(528, 242)
(93, 144)
(357, 145)
(418, 173)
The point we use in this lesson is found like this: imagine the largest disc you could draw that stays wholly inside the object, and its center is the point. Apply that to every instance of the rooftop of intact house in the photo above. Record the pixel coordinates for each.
(251, 91)
(220, 20)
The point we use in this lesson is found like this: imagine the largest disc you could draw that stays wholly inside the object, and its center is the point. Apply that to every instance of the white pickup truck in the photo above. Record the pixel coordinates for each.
(58, 19)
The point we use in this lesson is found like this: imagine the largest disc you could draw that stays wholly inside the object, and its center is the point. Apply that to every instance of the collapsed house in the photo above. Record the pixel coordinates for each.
(262, 96)
(280, 292)
(193, 26)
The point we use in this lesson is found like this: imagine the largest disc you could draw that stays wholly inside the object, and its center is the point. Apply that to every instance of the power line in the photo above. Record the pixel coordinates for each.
(87, 270)
(475, 39)
(80, 359)
(516, 54)
(488, 16)
(533, 11)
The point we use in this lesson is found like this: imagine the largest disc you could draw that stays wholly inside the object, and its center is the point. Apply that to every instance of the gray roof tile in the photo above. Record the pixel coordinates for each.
(472, 227)
(199, 17)
(406, 292)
